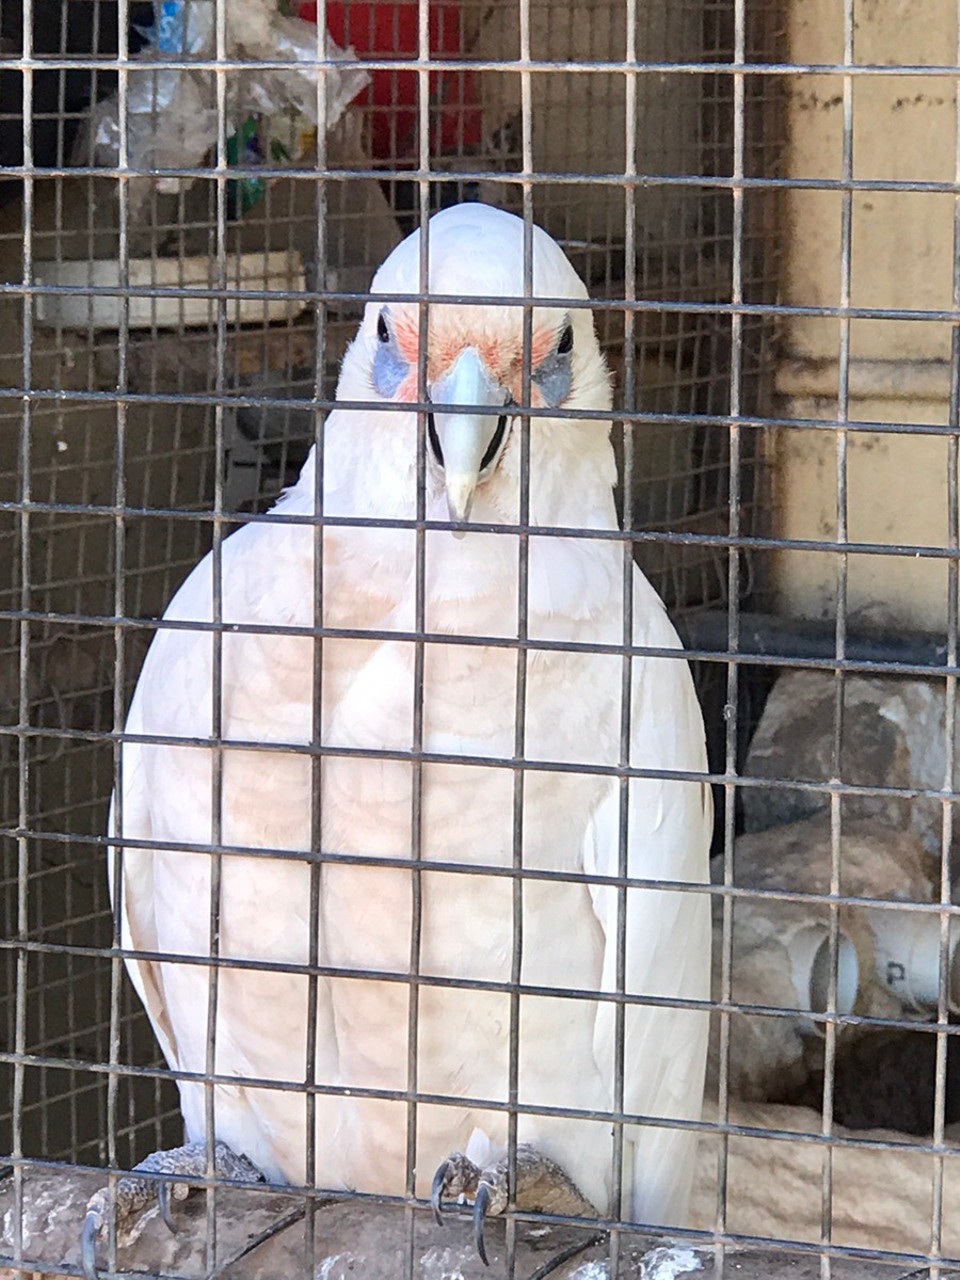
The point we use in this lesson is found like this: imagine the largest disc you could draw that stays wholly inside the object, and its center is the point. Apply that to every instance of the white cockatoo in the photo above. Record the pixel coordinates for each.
(440, 837)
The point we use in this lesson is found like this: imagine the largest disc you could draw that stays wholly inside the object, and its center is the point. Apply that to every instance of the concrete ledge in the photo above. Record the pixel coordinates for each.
(260, 1236)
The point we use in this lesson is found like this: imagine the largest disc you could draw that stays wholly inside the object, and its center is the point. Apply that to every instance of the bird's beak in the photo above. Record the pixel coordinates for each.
(465, 437)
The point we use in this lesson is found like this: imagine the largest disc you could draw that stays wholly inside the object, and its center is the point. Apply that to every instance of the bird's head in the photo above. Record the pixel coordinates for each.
(473, 359)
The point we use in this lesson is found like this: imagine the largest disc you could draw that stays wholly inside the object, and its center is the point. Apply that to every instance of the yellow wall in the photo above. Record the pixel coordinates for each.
(902, 257)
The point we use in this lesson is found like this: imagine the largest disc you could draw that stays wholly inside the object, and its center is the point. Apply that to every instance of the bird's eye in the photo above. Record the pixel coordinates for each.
(383, 333)
(565, 345)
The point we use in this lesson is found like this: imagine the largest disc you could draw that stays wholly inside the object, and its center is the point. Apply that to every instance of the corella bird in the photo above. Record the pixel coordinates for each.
(368, 861)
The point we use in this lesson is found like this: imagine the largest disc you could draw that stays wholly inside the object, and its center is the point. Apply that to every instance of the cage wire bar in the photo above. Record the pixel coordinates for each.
(148, 415)
(843, 413)
(950, 699)
(316, 841)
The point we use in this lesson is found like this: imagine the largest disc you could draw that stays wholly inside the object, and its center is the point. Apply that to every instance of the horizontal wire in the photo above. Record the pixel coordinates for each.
(518, 763)
(566, 877)
(249, 399)
(697, 306)
(934, 666)
(918, 551)
(509, 66)
(442, 982)
(496, 177)
(467, 1102)
(828, 787)
(95, 624)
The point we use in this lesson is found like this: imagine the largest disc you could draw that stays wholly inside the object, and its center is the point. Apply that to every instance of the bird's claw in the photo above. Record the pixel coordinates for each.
(460, 1173)
(481, 1205)
(169, 1175)
(96, 1217)
(541, 1186)
(88, 1244)
(458, 1177)
(437, 1188)
(163, 1203)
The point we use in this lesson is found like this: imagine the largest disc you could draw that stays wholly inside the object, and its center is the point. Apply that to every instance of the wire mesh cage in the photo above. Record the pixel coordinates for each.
(758, 198)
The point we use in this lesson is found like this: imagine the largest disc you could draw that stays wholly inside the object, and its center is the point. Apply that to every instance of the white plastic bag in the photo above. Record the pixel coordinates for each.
(171, 112)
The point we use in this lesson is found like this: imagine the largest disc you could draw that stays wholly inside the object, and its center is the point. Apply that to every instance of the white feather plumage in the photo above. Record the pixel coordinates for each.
(570, 821)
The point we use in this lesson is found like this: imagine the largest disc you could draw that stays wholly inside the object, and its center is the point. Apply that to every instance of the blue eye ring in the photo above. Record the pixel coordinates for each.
(383, 333)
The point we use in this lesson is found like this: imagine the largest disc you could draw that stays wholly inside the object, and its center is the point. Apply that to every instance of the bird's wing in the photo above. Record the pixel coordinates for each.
(161, 787)
(667, 932)
(138, 930)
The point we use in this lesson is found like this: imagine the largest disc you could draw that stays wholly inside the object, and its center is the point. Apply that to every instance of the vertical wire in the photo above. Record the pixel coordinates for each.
(626, 669)
(733, 618)
(316, 761)
(119, 601)
(520, 703)
(23, 709)
(419, 624)
(61, 112)
(216, 638)
(843, 413)
(947, 927)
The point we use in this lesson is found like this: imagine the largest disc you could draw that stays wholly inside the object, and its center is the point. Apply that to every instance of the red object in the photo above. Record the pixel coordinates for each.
(388, 29)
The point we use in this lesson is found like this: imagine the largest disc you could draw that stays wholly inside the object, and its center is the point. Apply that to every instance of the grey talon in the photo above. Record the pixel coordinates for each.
(88, 1245)
(163, 1201)
(436, 1191)
(158, 1180)
(480, 1206)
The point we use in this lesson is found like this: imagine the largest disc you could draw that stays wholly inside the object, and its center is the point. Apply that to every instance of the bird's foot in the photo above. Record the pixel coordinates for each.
(167, 1174)
(541, 1187)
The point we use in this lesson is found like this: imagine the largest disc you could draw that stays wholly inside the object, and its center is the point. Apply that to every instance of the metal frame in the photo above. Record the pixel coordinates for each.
(740, 420)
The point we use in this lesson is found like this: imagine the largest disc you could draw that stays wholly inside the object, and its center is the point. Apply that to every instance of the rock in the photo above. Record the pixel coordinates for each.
(260, 1236)
(893, 736)
(881, 1193)
(781, 951)
(876, 861)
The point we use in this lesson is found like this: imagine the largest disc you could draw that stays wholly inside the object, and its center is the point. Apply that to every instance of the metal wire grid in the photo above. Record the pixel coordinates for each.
(173, 563)
(47, 586)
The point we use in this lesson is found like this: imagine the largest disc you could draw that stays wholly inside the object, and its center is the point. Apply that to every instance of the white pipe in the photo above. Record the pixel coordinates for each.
(809, 952)
(907, 957)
